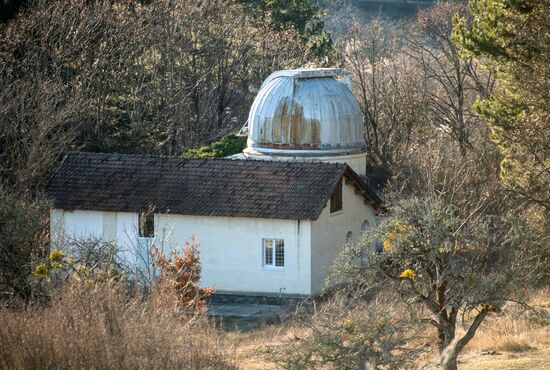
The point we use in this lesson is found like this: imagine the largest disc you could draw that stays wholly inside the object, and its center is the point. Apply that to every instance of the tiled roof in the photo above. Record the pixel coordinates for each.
(208, 187)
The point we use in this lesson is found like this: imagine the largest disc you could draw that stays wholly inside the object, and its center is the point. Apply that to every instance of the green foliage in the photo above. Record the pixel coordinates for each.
(302, 15)
(228, 145)
(512, 38)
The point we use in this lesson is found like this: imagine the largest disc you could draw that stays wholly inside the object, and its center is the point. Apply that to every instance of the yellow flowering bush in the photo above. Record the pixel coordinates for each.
(408, 274)
(396, 231)
(403, 227)
(56, 259)
(84, 264)
(437, 256)
(347, 323)
(55, 262)
(41, 271)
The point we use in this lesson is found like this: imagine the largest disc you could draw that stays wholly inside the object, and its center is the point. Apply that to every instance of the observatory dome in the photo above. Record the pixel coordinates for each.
(305, 112)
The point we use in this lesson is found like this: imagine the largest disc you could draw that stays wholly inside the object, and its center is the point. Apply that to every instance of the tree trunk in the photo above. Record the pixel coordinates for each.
(450, 363)
(449, 355)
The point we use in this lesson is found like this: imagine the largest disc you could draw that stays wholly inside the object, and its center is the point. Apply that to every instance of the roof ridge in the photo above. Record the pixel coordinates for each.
(224, 159)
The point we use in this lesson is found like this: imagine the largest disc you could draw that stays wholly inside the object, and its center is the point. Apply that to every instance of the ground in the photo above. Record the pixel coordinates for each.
(508, 341)
(535, 359)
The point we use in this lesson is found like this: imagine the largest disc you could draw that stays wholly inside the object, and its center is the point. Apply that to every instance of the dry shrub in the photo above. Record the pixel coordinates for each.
(351, 332)
(23, 239)
(105, 327)
(180, 279)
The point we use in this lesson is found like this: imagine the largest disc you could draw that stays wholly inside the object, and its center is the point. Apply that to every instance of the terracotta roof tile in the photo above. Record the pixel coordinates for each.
(209, 187)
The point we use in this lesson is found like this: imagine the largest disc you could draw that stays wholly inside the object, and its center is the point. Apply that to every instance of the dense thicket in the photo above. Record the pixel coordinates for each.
(118, 76)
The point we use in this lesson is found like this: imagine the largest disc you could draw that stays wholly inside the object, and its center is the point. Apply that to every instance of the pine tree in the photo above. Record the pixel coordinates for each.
(512, 38)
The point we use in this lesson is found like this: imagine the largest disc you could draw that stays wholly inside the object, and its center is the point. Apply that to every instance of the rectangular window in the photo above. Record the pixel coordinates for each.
(146, 224)
(274, 252)
(336, 198)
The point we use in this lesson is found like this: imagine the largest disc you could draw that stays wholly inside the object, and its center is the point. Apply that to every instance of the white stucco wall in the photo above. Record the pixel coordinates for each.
(357, 162)
(75, 225)
(231, 251)
(230, 247)
(329, 231)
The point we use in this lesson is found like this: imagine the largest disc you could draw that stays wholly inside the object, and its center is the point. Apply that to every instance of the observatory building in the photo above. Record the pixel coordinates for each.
(270, 220)
(307, 115)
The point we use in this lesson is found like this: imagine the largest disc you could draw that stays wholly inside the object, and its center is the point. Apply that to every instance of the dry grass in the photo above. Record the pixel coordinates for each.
(104, 328)
(515, 330)
(515, 339)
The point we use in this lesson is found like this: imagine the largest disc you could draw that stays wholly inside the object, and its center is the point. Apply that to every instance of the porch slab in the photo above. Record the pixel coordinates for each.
(245, 310)
(246, 316)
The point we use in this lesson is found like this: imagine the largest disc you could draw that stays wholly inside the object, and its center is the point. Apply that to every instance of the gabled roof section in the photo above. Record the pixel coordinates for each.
(207, 187)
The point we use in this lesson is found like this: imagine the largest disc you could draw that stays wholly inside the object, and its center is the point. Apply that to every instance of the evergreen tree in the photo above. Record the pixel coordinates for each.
(512, 38)
(304, 16)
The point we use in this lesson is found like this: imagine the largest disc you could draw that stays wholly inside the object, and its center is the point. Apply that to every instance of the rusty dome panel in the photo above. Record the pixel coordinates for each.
(289, 129)
(305, 110)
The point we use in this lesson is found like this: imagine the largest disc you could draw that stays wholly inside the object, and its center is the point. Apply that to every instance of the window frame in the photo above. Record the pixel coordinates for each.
(273, 257)
(146, 220)
(336, 198)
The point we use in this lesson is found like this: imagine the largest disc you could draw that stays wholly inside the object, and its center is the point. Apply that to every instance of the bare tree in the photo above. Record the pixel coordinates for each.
(120, 76)
(203, 57)
(38, 125)
(449, 82)
(385, 84)
(458, 267)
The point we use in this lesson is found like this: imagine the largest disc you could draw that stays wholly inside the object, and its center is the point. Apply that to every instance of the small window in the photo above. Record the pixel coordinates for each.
(146, 225)
(378, 246)
(365, 226)
(349, 237)
(336, 198)
(274, 252)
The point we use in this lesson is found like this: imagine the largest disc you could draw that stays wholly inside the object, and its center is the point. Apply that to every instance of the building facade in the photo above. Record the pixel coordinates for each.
(269, 221)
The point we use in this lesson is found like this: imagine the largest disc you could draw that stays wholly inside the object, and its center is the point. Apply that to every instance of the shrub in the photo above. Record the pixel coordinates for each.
(180, 278)
(90, 262)
(104, 327)
(351, 333)
(448, 263)
(23, 239)
(228, 145)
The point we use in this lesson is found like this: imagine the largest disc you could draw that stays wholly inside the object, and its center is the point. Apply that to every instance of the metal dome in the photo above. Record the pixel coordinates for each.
(305, 112)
